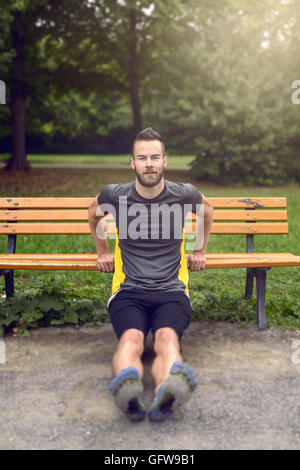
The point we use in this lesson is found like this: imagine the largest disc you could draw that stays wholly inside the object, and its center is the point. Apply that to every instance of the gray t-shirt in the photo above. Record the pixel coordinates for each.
(149, 250)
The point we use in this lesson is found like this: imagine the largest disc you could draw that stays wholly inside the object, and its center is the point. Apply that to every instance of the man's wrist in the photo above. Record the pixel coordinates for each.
(103, 253)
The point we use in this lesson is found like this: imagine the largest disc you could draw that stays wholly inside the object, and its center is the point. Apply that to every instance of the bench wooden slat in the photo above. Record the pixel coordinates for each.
(236, 228)
(247, 203)
(236, 214)
(93, 256)
(82, 215)
(242, 215)
(84, 202)
(255, 260)
(84, 228)
(251, 215)
(45, 228)
(44, 215)
(45, 203)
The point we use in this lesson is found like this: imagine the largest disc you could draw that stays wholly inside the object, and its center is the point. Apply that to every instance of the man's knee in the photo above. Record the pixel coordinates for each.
(165, 338)
(133, 339)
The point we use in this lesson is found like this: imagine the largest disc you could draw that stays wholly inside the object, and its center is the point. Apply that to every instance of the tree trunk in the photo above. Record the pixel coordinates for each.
(133, 75)
(18, 159)
(135, 103)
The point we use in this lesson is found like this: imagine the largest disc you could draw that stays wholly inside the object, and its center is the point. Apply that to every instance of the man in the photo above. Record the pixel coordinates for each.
(150, 283)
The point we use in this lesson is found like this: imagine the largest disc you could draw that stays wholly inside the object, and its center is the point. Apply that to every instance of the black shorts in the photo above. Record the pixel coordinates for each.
(145, 310)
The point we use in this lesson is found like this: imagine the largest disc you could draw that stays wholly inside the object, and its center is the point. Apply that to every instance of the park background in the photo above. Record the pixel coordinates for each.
(216, 78)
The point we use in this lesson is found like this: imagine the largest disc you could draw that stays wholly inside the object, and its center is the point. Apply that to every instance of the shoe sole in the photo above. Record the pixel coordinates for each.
(126, 389)
(174, 392)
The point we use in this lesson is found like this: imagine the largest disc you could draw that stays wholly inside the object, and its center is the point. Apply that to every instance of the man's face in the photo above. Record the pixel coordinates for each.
(149, 162)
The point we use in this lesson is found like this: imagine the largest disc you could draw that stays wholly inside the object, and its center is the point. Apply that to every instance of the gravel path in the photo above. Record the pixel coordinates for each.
(54, 392)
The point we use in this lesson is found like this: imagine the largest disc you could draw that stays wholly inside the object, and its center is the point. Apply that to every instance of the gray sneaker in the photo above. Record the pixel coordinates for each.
(127, 388)
(176, 389)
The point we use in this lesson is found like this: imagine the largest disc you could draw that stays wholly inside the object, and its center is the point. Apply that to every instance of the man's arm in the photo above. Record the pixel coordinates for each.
(105, 261)
(204, 218)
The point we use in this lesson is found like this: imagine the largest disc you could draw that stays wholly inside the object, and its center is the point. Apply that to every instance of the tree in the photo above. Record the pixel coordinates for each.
(25, 75)
(109, 45)
(232, 105)
(102, 46)
(27, 71)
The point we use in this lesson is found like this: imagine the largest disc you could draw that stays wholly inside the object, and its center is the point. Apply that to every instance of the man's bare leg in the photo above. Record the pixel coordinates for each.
(174, 380)
(167, 350)
(129, 351)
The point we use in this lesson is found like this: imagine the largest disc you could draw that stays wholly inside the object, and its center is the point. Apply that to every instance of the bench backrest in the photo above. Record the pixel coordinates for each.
(232, 215)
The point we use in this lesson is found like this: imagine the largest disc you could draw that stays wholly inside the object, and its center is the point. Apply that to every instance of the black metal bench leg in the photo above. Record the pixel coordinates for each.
(250, 272)
(261, 277)
(9, 284)
(249, 283)
(9, 275)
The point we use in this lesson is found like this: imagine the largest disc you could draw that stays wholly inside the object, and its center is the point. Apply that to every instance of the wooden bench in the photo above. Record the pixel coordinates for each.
(232, 215)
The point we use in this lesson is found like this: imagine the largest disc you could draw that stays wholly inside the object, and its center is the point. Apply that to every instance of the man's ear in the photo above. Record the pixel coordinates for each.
(132, 163)
(165, 160)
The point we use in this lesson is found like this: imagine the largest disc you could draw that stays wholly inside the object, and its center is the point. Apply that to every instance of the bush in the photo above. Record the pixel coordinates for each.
(47, 304)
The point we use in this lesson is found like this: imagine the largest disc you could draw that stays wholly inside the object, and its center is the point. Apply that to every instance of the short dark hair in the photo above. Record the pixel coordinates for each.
(149, 134)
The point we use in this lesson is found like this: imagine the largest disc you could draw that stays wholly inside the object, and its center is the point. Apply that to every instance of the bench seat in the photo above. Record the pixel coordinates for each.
(87, 262)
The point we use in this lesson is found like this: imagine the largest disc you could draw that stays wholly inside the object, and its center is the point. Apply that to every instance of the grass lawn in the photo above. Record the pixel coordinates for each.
(93, 160)
(216, 295)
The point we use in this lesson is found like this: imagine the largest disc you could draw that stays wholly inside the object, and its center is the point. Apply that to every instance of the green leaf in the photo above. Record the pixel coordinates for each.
(70, 317)
(50, 303)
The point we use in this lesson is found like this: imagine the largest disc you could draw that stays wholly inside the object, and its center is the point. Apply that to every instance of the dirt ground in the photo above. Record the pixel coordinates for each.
(54, 392)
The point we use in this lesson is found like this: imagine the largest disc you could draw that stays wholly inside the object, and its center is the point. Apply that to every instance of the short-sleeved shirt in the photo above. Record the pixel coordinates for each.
(150, 239)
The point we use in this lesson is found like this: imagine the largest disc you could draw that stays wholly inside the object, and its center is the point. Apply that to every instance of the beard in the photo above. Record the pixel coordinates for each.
(150, 180)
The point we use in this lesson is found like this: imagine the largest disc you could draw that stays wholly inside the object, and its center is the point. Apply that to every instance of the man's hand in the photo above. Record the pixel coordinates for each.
(196, 261)
(106, 263)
